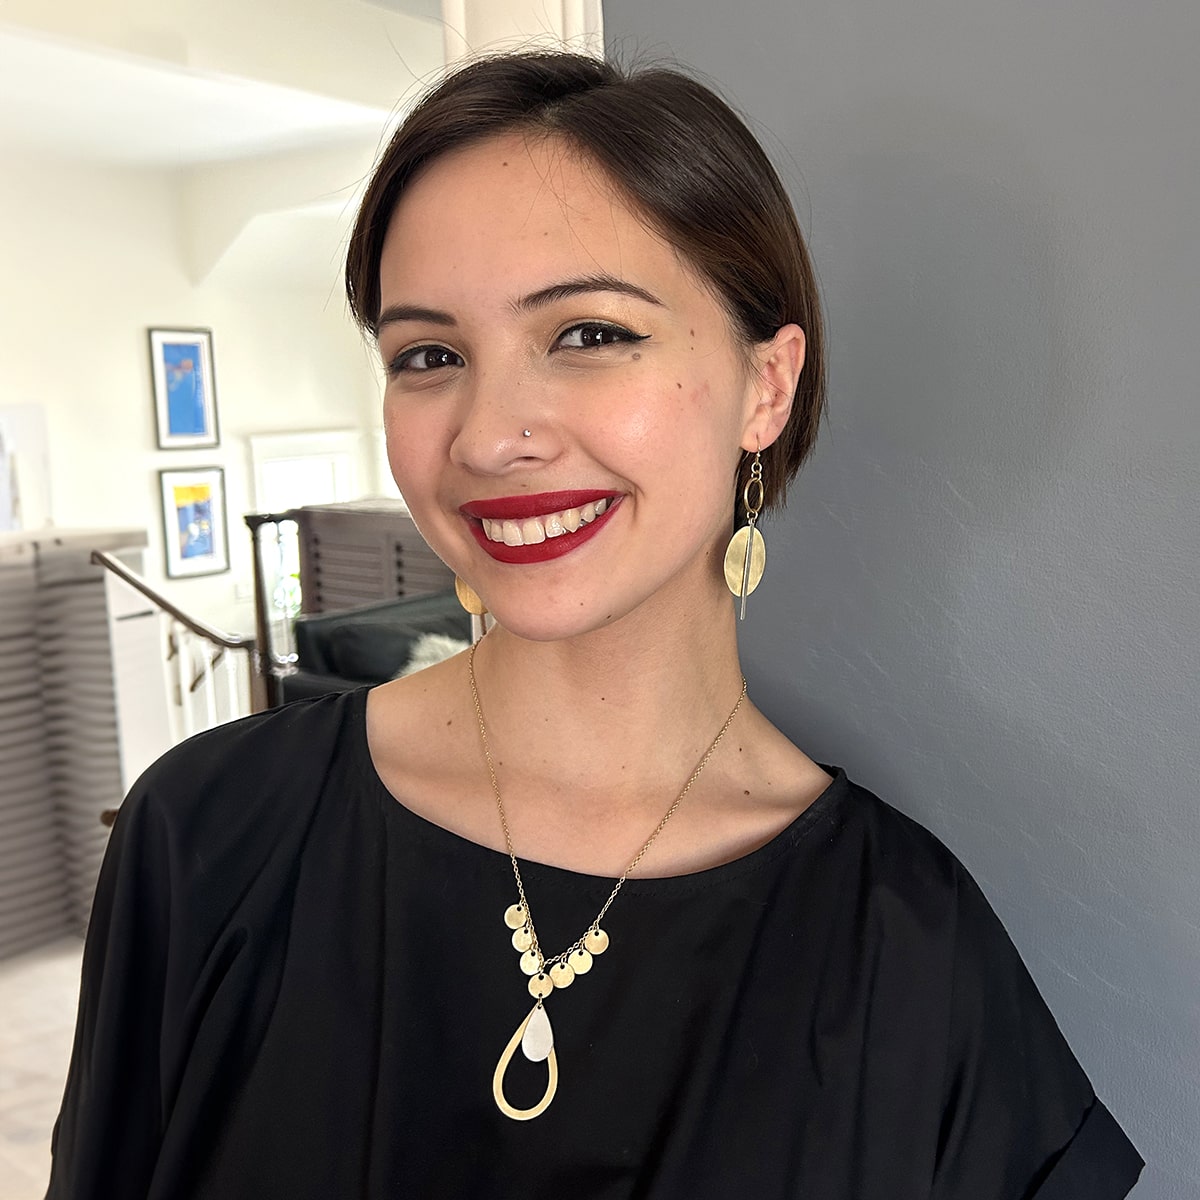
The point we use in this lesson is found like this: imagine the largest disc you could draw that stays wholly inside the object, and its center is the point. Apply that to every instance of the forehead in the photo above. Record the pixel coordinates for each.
(513, 212)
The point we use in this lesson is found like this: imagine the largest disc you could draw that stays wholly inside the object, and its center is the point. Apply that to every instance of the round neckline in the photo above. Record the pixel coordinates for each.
(821, 810)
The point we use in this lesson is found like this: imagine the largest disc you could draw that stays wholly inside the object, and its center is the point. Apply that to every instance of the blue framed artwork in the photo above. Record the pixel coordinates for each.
(195, 531)
(185, 388)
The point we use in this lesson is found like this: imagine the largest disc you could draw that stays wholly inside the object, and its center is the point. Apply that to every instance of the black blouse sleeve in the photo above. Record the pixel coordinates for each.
(106, 1139)
(203, 853)
(1021, 1121)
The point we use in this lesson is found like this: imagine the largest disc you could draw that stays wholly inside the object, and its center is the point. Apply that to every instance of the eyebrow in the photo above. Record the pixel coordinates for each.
(584, 284)
(563, 290)
(413, 312)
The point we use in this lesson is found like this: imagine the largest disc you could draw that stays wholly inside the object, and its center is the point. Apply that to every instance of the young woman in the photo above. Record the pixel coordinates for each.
(566, 914)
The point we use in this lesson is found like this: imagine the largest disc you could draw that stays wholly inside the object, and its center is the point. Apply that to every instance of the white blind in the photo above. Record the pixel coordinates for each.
(33, 891)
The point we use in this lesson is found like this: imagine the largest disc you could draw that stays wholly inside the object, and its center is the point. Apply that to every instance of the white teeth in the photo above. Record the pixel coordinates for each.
(534, 530)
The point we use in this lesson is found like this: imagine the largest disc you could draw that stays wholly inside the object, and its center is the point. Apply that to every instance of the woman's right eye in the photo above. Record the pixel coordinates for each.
(424, 358)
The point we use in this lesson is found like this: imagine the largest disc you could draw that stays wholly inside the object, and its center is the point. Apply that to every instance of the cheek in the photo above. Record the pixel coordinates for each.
(670, 408)
(411, 452)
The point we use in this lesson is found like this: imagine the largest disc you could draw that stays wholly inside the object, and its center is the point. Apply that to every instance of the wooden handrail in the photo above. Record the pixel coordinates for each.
(231, 641)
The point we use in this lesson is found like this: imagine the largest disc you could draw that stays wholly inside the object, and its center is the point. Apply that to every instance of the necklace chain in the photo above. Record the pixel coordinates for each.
(544, 962)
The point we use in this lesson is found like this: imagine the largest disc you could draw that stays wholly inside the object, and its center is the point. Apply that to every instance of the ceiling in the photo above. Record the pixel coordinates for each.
(63, 100)
(77, 100)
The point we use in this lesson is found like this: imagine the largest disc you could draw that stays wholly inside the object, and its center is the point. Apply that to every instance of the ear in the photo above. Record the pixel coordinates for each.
(772, 387)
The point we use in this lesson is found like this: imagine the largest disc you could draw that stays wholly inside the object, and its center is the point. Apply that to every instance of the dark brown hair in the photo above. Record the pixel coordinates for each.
(682, 157)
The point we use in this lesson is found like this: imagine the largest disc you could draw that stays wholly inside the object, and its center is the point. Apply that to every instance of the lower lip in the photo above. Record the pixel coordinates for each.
(543, 551)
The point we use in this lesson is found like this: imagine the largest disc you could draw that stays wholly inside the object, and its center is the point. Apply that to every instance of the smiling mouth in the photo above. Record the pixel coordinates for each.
(534, 530)
(531, 529)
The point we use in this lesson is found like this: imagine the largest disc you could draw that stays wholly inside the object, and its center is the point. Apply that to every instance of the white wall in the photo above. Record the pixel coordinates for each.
(92, 258)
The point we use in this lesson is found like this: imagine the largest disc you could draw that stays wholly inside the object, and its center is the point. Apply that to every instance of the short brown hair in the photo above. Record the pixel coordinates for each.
(684, 159)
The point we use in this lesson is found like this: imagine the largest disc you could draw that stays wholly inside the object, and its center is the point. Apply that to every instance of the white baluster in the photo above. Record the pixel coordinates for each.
(231, 684)
(184, 669)
(210, 686)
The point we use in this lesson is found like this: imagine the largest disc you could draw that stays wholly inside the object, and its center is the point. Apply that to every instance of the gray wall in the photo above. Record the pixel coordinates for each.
(983, 597)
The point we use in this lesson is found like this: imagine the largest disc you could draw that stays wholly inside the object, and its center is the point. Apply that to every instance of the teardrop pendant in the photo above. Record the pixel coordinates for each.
(538, 1039)
(525, 1114)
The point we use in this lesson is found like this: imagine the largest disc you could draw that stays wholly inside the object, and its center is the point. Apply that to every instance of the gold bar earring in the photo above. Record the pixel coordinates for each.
(746, 555)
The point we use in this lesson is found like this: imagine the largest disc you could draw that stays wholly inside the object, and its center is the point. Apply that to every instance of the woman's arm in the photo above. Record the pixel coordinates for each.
(1020, 1118)
(105, 1142)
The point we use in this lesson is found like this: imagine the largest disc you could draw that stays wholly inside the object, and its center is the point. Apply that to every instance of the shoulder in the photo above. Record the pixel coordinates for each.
(240, 789)
(897, 862)
(913, 904)
(906, 865)
(266, 749)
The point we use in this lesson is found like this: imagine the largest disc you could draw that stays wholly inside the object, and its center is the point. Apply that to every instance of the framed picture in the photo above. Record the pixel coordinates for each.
(195, 533)
(185, 389)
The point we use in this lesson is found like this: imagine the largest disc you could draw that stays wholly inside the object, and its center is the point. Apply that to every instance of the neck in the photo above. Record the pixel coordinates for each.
(624, 708)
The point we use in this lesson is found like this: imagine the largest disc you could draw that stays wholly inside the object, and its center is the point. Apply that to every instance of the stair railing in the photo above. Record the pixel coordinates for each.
(196, 653)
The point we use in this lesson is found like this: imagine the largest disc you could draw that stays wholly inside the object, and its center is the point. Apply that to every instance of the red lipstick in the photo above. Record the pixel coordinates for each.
(541, 504)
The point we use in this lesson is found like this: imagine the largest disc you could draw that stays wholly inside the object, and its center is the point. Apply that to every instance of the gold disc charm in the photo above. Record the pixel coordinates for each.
(562, 975)
(469, 598)
(522, 939)
(745, 561)
(540, 986)
(523, 1114)
(515, 916)
(580, 960)
(531, 962)
(596, 941)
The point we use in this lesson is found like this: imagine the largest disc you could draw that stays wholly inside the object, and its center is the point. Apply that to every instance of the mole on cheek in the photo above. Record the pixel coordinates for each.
(636, 356)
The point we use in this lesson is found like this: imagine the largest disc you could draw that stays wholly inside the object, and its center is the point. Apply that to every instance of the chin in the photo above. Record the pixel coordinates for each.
(573, 614)
(548, 626)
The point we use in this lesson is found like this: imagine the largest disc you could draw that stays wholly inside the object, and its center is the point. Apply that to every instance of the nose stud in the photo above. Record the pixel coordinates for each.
(527, 433)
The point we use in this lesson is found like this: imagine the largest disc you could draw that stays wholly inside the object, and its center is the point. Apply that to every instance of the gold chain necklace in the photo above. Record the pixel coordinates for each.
(534, 1035)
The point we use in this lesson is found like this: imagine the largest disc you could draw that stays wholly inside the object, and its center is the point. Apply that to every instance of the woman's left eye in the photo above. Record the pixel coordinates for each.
(590, 334)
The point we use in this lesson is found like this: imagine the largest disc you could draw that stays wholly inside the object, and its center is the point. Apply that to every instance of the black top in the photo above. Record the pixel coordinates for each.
(295, 987)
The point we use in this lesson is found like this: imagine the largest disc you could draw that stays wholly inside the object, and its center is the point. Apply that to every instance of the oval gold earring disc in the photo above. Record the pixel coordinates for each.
(735, 560)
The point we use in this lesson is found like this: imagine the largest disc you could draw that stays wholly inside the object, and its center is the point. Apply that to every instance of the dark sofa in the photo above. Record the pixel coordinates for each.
(342, 650)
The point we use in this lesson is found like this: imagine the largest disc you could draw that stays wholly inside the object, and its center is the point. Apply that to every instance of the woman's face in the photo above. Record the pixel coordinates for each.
(518, 292)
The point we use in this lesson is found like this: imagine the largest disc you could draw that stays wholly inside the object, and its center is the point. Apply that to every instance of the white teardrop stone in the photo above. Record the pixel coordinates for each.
(538, 1040)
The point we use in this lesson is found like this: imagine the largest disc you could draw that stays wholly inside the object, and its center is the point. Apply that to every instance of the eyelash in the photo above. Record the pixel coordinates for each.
(619, 332)
(401, 362)
(619, 335)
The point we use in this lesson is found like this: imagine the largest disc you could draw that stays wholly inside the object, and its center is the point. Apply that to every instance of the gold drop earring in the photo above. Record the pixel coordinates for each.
(746, 555)
(469, 598)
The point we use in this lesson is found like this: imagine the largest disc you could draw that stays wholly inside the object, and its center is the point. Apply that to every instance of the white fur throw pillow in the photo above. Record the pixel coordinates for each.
(432, 648)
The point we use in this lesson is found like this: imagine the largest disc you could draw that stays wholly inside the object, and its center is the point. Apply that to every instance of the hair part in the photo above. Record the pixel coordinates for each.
(685, 162)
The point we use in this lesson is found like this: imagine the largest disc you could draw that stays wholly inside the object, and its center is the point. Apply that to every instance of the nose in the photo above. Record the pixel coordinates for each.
(503, 426)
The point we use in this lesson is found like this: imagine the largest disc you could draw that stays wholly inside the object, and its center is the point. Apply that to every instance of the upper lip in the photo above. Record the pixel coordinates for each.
(539, 504)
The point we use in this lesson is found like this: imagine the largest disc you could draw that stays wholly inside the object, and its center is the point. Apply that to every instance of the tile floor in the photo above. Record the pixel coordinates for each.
(38, 994)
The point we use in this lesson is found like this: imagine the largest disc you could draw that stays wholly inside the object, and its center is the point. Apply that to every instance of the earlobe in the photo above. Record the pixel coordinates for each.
(780, 363)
